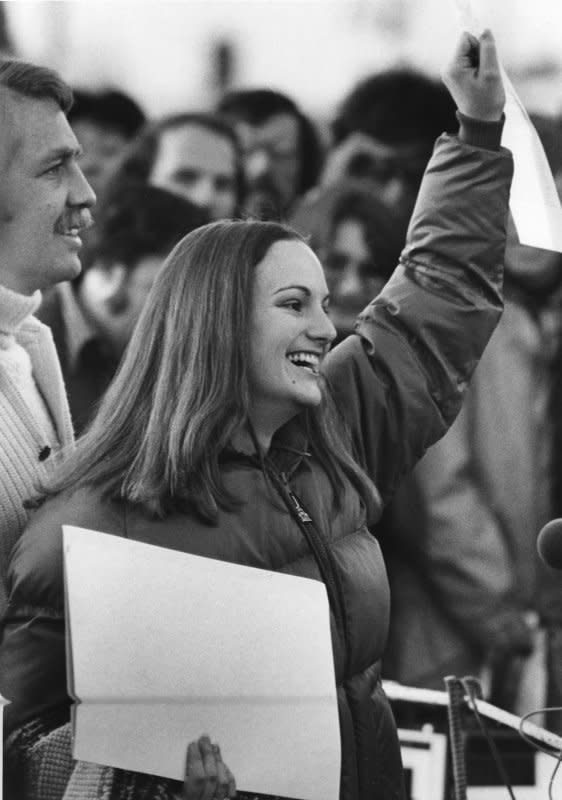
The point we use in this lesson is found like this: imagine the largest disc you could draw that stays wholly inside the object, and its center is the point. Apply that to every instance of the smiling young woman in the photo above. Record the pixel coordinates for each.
(199, 376)
(232, 431)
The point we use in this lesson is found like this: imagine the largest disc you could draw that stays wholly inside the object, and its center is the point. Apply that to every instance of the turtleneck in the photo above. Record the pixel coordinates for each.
(15, 308)
(15, 362)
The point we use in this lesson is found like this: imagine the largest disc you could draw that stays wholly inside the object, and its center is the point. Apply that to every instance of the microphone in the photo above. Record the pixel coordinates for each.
(549, 544)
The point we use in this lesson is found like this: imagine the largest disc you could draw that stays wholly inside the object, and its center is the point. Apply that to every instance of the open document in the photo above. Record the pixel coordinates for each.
(164, 646)
(534, 202)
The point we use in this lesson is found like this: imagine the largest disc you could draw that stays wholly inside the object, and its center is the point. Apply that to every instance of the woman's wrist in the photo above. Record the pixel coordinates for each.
(480, 133)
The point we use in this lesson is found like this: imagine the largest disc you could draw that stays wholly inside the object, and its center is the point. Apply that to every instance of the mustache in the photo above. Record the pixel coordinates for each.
(81, 219)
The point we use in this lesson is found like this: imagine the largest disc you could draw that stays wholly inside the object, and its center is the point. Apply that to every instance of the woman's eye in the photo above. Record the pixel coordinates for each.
(295, 305)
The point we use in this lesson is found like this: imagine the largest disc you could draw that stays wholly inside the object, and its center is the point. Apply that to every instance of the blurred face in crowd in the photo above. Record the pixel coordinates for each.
(351, 274)
(198, 163)
(113, 297)
(271, 163)
(44, 196)
(395, 172)
(290, 334)
(101, 150)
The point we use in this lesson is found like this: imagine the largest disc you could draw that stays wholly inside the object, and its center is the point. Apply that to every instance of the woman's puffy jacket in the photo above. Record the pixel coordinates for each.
(399, 381)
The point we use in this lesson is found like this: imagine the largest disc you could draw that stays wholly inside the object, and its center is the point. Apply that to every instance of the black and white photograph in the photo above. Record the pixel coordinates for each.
(281, 399)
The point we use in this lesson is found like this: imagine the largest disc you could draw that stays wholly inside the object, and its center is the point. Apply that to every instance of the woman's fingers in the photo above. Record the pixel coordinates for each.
(206, 775)
(473, 77)
(210, 767)
(231, 783)
(223, 780)
(194, 783)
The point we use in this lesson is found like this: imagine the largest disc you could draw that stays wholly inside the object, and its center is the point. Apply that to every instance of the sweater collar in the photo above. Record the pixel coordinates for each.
(15, 308)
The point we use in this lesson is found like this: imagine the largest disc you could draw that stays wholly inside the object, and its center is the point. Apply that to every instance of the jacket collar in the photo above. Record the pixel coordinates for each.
(289, 447)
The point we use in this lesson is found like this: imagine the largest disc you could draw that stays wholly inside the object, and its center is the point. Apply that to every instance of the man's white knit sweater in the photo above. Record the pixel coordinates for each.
(34, 416)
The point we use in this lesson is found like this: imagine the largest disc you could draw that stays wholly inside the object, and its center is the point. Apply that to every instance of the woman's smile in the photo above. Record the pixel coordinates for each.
(290, 335)
(306, 360)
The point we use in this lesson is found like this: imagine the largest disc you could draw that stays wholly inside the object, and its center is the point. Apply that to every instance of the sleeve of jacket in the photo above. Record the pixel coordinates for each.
(32, 633)
(400, 380)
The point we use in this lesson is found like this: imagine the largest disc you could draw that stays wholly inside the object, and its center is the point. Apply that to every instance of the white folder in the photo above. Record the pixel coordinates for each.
(163, 646)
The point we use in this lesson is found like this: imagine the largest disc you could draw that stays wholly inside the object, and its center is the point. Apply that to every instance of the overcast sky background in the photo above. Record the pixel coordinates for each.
(165, 53)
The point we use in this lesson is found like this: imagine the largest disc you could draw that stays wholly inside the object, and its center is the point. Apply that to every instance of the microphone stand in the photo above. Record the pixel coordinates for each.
(467, 692)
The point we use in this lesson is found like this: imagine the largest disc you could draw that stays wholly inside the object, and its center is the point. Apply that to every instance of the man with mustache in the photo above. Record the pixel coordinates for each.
(282, 150)
(45, 203)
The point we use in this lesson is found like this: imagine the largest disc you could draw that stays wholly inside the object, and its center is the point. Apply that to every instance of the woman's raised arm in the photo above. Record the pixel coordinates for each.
(400, 382)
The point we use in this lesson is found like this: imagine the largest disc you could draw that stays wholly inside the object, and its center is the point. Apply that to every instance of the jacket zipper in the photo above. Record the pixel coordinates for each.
(317, 545)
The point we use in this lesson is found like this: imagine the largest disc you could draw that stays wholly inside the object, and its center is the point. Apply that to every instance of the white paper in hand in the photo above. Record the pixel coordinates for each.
(534, 202)
(164, 646)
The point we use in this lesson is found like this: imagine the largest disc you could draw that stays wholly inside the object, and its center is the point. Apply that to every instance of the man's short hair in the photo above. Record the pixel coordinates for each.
(38, 83)
(398, 107)
(108, 108)
(256, 106)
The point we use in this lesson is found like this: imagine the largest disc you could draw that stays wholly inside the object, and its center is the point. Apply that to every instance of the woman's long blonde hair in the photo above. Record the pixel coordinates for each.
(182, 389)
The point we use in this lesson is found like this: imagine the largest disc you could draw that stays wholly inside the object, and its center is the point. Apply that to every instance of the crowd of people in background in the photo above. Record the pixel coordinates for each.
(468, 591)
